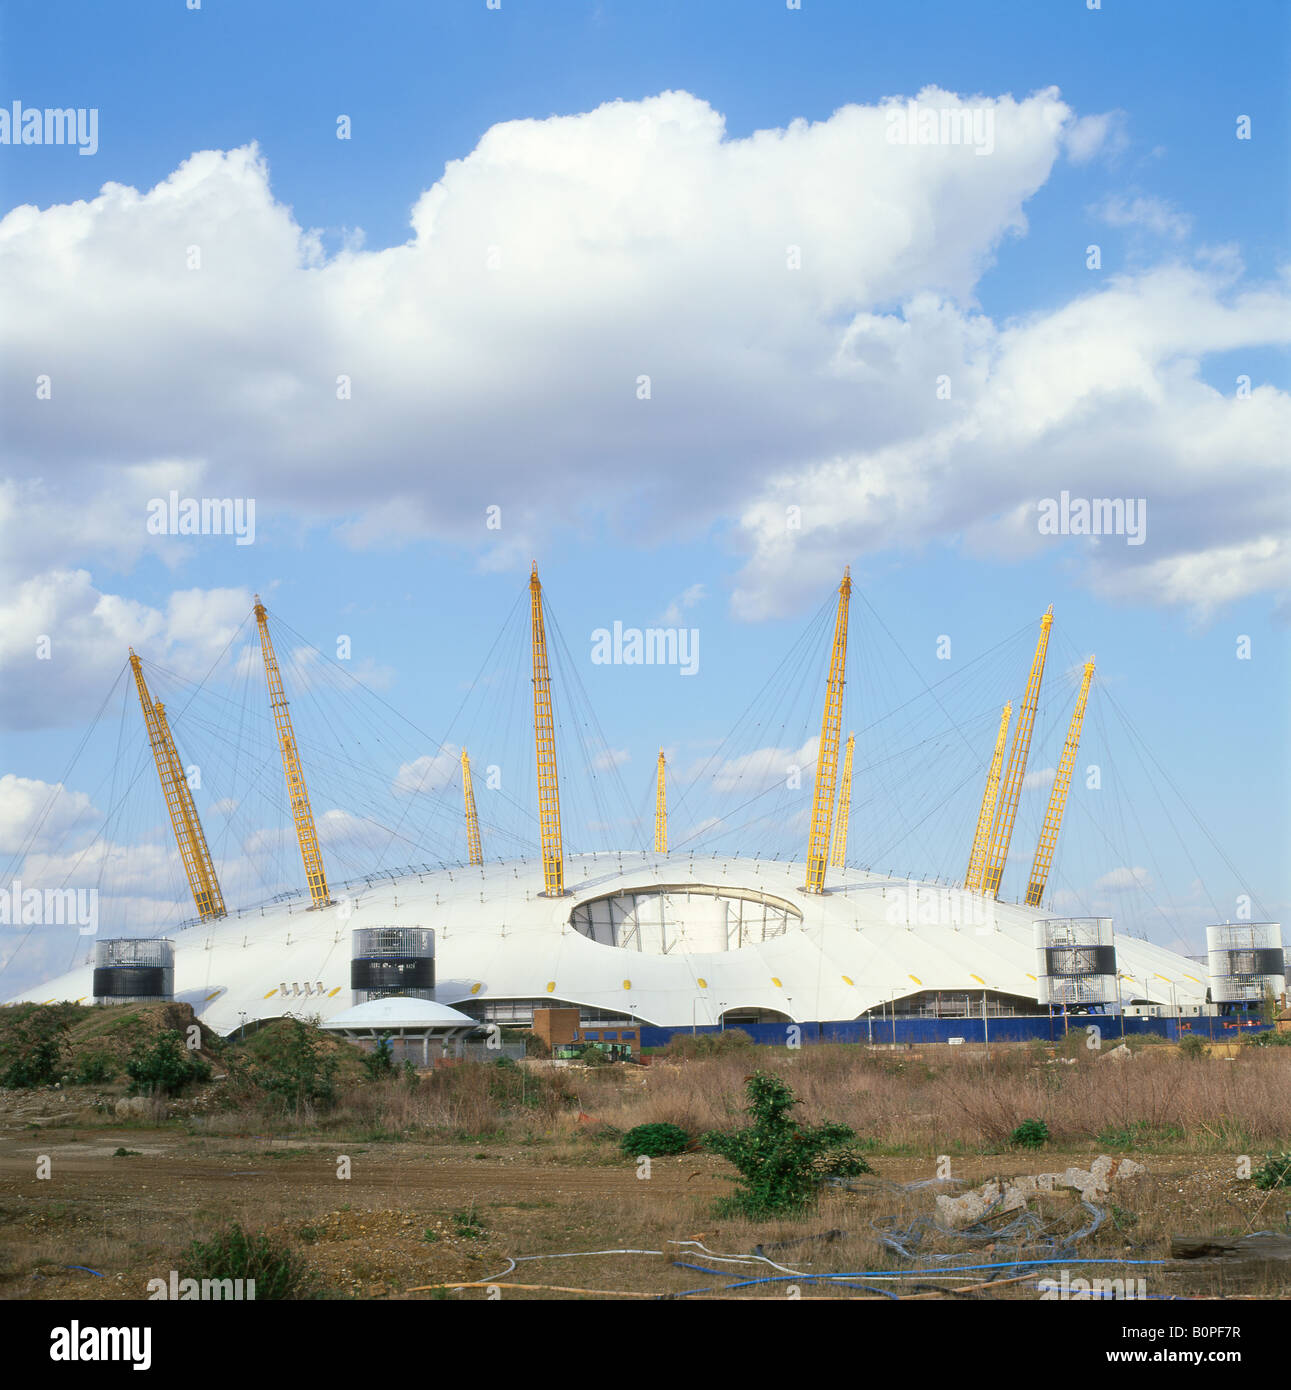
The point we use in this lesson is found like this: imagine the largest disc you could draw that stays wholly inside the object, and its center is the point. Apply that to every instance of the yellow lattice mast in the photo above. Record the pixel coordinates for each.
(473, 846)
(986, 816)
(661, 811)
(1058, 795)
(184, 820)
(311, 856)
(839, 851)
(1006, 809)
(822, 806)
(544, 739)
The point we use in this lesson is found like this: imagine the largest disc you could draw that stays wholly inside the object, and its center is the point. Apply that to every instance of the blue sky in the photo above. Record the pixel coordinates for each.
(1115, 127)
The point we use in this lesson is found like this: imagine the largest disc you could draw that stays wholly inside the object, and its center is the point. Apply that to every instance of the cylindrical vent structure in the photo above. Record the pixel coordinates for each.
(1245, 962)
(392, 960)
(1075, 961)
(134, 970)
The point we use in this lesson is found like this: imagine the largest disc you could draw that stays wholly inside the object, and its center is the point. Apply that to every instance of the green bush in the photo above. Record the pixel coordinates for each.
(32, 1051)
(300, 1070)
(721, 1044)
(1267, 1039)
(781, 1162)
(93, 1068)
(1193, 1046)
(654, 1141)
(1274, 1172)
(166, 1067)
(1030, 1134)
(233, 1253)
(379, 1063)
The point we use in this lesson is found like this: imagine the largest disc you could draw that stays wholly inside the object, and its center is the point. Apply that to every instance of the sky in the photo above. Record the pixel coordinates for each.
(693, 305)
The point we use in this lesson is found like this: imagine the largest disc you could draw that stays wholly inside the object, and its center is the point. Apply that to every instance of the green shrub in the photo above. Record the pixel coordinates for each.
(1192, 1046)
(1274, 1172)
(33, 1048)
(166, 1067)
(93, 1068)
(721, 1044)
(1267, 1039)
(1030, 1134)
(594, 1055)
(781, 1162)
(233, 1253)
(300, 1070)
(379, 1063)
(654, 1141)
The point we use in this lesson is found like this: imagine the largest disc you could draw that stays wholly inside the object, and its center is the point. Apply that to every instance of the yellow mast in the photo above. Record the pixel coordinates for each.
(1007, 807)
(661, 811)
(973, 879)
(202, 881)
(473, 847)
(544, 738)
(1058, 795)
(822, 808)
(839, 851)
(310, 854)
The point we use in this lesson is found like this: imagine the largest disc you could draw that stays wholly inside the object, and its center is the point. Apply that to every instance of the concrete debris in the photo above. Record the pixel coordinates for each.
(1001, 1195)
(1121, 1054)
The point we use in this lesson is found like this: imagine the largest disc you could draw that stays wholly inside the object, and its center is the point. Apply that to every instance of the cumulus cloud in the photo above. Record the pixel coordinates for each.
(741, 327)
(428, 773)
(37, 815)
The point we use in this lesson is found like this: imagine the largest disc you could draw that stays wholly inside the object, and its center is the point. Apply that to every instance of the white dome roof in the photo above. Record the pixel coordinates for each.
(866, 940)
(399, 1011)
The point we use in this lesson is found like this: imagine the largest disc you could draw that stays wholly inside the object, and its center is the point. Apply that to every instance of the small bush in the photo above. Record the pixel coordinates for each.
(781, 1162)
(1267, 1039)
(594, 1055)
(379, 1063)
(300, 1070)
(94, 1068)
(1193, 1047)
(233, 1253)
(1030, 1134)
(33, 1050)
(1274, 1172)
(728, 1042)
(654, 1141)
(166, 1067)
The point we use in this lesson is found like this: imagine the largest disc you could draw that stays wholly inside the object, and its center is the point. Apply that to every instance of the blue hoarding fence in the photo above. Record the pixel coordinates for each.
(1018, 1028)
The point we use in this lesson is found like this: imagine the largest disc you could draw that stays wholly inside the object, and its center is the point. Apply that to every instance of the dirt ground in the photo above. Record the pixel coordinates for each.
(410, 1216)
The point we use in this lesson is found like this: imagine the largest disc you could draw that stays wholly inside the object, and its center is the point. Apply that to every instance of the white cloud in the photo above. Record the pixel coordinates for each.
(1103, 134)
(547, 271)
(609, 758)
(757, 771)
(1042, 777)
(428, 773)
(1152, 214)
(687, 599)
(1123, 879)
(89, 633)
(39, 815)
